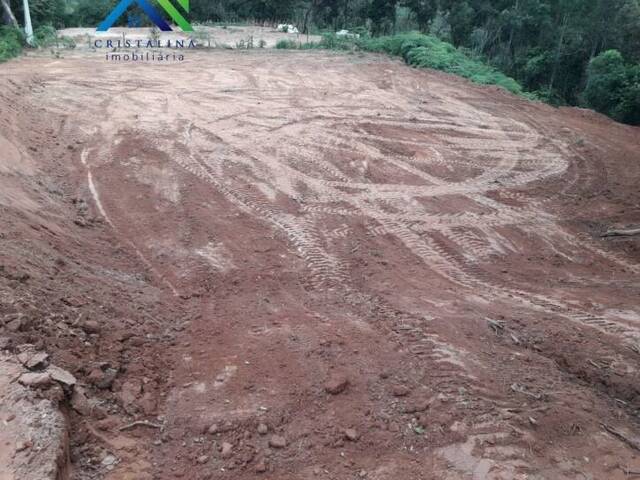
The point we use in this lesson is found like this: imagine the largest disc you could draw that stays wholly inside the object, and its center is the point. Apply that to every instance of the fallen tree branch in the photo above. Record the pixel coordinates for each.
(632, 442)
(629, 473)
(142, 423)
(495, 325)
(622, 233)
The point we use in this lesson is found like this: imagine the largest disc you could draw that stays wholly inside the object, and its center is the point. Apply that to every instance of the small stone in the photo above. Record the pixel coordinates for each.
(109, 460)
(263, 429)
(79, 402)
(102, 379)
(400, 391)
(90, 326)
(336, 384)
(317, 471)
(227, 450)
(35, 379)
(23, 445)
(31, 359)
(203, 459)
(61, 376)
(276, 441)
(261, 466)
(351, 435)
(417, 407)
(213, 429)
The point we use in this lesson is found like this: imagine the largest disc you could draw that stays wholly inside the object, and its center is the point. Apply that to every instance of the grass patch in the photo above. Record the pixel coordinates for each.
(287, 45)
(11, 42)
(47, 37)
(418, 50)
(429, 52)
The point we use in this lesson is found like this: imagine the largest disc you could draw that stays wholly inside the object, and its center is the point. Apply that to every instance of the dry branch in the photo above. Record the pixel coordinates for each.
(632, 442)
(141, 424)
(622, 232)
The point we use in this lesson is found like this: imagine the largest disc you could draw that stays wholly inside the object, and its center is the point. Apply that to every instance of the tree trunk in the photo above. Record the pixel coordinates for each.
(7, 15)
(558, 52)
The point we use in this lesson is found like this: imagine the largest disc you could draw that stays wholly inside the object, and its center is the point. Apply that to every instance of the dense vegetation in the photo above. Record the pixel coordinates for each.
(576, 52)
(418, 50)
(10, 43)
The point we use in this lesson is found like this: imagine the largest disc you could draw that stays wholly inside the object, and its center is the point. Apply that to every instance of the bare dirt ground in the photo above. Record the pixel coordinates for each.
(311, 265)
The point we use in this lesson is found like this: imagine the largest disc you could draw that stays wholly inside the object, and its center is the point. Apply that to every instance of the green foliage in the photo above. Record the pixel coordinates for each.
(45, 35)
(613, 87)
(428, 52)
(330, 41)
(287, 44)
(11, 42)
(421, 51)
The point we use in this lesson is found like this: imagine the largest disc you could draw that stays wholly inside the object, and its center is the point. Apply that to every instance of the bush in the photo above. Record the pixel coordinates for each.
(11, 41)
(45, 36)
(331, 41)
(613, 87)
(429, 52)
(287, 45)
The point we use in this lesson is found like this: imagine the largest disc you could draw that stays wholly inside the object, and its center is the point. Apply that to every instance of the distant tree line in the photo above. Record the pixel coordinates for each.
(576, 52)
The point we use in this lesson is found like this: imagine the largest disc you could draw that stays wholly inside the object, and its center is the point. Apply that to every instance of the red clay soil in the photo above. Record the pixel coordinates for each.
(312, 265)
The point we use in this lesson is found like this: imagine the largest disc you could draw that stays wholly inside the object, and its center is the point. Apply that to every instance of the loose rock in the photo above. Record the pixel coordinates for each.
(61, 376)
(336, 384)
(417, 407)
(227, 450)
(35, 380)
(31, 359)
(79, 402)
(263, 429)
(400, 391)
(276, 441)
(351, 435)
(90, 326)
(261, 467)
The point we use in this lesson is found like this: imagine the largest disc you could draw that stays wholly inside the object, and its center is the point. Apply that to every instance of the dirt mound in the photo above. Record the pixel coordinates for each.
(34, 433)
(313, 265)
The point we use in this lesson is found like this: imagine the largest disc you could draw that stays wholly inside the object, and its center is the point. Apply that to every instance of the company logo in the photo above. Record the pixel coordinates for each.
(153, 14)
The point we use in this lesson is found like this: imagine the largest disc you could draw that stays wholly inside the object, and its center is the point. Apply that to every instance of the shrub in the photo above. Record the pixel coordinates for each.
(613, 87)
(331, 41)
(45, 36)
(429, 52)
(286, 44)
(421, 51)
(11, 41)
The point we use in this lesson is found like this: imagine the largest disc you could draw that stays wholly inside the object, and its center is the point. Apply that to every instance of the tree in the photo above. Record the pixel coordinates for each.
(8, 17)
(613, 87)
(382, 14)
(423, 10)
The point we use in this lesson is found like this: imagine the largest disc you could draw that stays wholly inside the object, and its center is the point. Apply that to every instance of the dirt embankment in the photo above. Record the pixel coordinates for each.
(68, 286)
(308, 265)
